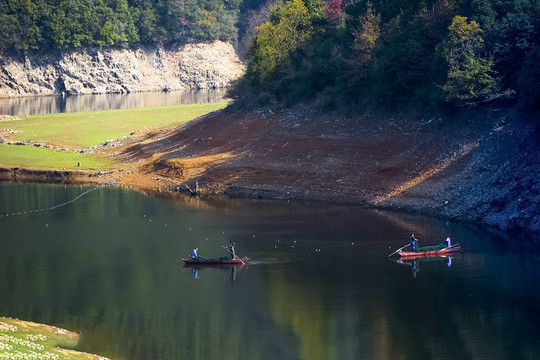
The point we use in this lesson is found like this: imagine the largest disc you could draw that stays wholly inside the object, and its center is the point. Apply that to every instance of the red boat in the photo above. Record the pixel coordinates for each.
(441, 252)
(217, 261)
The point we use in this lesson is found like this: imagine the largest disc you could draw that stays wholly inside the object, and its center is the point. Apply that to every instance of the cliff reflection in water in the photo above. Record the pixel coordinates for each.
(109, 266)
(78, 103)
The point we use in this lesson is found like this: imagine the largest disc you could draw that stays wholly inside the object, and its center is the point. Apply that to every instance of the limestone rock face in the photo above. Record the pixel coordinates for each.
(99, 71)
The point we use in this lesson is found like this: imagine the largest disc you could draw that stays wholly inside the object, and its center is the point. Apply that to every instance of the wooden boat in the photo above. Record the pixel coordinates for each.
(225, 260)
(441, 252)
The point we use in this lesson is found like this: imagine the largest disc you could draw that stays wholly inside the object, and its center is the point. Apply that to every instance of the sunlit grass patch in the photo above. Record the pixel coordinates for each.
(86, 129)
(27, 340)
(31, 157)
(83, 130)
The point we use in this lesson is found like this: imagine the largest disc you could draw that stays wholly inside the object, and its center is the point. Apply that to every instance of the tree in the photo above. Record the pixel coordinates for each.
(18, 26)
(170, 15)
(74, 23)
(469, 76)
(515, 34)
(529, 80)
(334, 9)
(289, 28)
(146, 22)
(365, 37)
(124, 23)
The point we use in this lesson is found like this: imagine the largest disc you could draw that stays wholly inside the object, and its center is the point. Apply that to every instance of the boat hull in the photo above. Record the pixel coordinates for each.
(442, 252)
(237, 261)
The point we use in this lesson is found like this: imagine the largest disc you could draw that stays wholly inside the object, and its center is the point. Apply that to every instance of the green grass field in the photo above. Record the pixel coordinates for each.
(27, 340)
(86, 129)
(29, 157)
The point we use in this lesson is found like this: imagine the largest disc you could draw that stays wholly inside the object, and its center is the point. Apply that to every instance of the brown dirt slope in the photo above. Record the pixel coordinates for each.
(479, 173)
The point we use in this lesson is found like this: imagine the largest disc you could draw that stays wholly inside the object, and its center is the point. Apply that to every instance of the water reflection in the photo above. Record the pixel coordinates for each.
(414, 263)
(230, 269)
(77, 103)
(109, 266)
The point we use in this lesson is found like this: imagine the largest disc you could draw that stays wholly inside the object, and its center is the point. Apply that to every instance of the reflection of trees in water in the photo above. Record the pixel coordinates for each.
(59, 104)
(466, 315)
(93, 267)
(128, 301)
(300, 311)
(333, 315)
(109, 268)
(105, 270)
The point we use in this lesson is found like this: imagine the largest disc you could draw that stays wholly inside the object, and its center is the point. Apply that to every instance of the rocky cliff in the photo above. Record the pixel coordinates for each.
(98, 71)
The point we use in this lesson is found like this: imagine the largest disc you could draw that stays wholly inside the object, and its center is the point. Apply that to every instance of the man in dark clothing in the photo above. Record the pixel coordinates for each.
(230, 247)
(414, 244)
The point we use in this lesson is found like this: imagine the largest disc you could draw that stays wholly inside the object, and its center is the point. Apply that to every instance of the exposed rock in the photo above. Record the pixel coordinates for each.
(99, 71)
(469, 170)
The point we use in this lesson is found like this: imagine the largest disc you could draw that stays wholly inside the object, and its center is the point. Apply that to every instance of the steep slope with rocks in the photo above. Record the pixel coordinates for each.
(482, 168)
(473, 170)
(99, 71)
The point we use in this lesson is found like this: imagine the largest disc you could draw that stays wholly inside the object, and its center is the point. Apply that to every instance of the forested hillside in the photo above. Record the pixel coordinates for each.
(475, 60)
(417, 54)
(68, 24)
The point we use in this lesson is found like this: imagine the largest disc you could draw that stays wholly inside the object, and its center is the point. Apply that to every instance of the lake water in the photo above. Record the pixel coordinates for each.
(321, 286)
(59, 104)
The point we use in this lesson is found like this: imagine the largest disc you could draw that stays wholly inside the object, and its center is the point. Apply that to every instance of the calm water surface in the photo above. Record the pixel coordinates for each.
(108, 265)
(33, 105)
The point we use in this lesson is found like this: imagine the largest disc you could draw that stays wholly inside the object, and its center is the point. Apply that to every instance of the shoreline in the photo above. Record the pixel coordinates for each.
(482, 174)
(155, 188)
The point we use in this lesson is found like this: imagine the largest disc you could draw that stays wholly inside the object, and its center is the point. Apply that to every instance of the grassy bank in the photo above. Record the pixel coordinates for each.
(29, 157)
(27, 340)
(77, 131)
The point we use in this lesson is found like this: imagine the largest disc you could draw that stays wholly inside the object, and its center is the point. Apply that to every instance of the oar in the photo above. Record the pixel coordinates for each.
(235, 256)
(399, 249)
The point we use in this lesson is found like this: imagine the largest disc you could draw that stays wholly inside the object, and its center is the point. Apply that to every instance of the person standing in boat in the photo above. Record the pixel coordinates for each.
(194, 253)
(414, 244)
(447, 242)
(230, 247)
